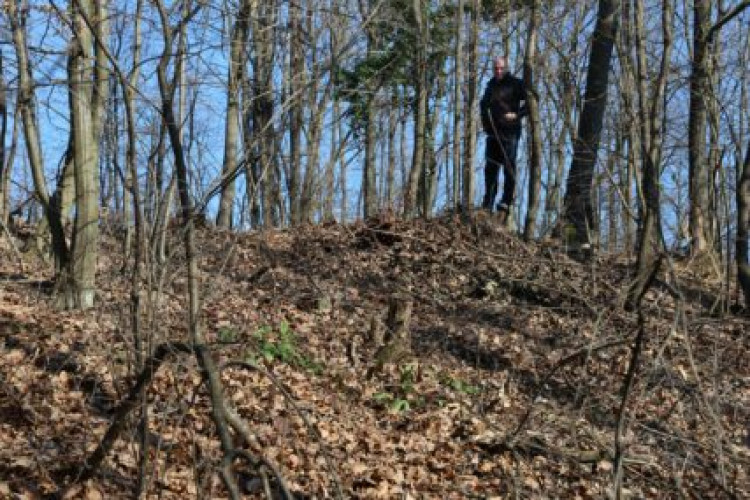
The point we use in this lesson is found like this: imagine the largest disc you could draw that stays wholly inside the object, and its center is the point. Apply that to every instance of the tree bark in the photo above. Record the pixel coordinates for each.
(296, 108)
(4, 167)
(651, 112)
(578, 208)
(470, 124)
(535, 130)
(85, 110)
(458, 77)
(264, 22)
(743, 228)
(232, 125)
(26, 103)
(698, 170)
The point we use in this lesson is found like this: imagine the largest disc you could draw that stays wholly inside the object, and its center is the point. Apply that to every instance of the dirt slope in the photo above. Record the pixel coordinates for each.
(511, 388)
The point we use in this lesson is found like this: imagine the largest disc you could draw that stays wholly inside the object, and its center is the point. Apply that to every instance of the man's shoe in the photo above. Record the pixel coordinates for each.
(502, 216)
(503, 212)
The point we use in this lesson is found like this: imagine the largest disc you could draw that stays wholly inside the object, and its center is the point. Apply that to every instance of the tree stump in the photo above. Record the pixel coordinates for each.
(397, 339)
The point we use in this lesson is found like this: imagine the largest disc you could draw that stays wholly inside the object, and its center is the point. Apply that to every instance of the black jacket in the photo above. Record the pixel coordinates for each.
(502, 96)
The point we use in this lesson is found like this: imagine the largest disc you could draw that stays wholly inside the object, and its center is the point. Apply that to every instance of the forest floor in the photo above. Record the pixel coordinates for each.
(511, 389)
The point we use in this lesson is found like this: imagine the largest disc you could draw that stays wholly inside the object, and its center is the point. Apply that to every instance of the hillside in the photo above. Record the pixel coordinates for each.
(511, 388)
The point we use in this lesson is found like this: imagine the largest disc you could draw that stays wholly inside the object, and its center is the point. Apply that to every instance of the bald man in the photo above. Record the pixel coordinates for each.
(501, 113)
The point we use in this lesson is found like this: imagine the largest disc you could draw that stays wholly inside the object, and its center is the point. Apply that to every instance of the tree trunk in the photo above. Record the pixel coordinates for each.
(429, 177)
(27, 108)
(4, 168)
(651, 112)
(231, 126)
(369, 179)
(470, 124)
(535, 129)
(296, 108)
(458, 79)
(264, 22)
(699, 171)
(578, 208)
(310, 183)
(743, 228)
(85, 118)
(390, 175)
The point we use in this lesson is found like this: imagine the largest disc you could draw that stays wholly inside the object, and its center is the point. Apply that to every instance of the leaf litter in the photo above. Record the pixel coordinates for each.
(511, 388)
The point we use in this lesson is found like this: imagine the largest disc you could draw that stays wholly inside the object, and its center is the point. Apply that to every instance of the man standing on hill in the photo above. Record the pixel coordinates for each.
(501, 113)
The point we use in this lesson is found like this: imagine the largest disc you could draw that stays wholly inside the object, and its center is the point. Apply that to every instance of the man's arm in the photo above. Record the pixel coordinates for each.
(484, 110)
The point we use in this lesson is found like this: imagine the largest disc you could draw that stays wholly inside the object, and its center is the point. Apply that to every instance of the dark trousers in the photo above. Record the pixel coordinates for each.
(498, 152)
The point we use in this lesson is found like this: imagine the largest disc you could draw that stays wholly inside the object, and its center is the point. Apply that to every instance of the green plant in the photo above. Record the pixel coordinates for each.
(393, 403)
(461, 386)
(281, 345)
(227, 335)
(408, 378)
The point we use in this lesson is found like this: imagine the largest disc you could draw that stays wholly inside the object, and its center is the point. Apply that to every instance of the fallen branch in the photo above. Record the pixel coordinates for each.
(562, 362)
(92, 464)
(290, 399)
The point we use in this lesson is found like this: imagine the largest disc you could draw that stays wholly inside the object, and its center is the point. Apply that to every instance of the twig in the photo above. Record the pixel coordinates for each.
(92, 464)
(329, 461)
(258, 463)
(630, 378)
(13, 246)
(587, 350)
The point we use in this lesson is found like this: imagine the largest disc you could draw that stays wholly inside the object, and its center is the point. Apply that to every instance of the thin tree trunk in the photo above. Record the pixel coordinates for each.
(743, 228)
(472, 105)
(26, 103)
(390, 175)
(578, 207)
(296, 85)
(311, 182)
(420, 113)
(85, 118)
(651, 111)
(699, 171)
(206, 362)
(429, 177)
(264, 21)
(458, 58)
(535, 129)
(4, 166)
(231, 126)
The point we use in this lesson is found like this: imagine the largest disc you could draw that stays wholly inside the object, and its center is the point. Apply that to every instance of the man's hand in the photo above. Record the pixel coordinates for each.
(511, 116)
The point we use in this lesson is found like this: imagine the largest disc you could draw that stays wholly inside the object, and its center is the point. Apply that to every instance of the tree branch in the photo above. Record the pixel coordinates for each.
(724, 19)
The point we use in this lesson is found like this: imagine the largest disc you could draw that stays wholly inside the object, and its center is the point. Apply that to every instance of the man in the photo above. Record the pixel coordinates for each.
(501, 113)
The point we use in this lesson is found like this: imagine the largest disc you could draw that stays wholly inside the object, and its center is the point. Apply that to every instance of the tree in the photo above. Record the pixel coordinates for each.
(472, 105)
(743, 227)
(650, 118)
(237, 51)
(4, 166)
(87, 84)
(86, 103)
(535, 132)
(704, 33)
(578, 208)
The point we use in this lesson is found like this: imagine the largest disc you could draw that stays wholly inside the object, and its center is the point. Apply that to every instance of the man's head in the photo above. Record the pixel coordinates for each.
(499, 66)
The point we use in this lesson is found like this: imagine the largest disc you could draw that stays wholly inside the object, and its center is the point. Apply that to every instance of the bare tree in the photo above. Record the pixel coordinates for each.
(237, 51)
(458, 60)
(651, 112)
(86, 104)
(535, 130)
(578, 208)
(472, 104)
(704, 34)
(743, 227)
(4, 166)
